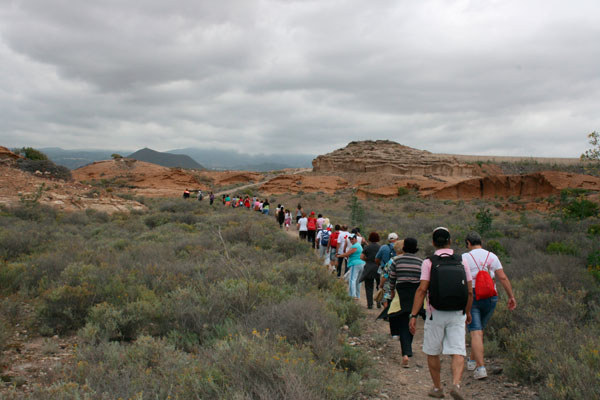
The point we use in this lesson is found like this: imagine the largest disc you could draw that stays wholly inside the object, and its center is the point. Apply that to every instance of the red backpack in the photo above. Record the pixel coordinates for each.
(484, 284)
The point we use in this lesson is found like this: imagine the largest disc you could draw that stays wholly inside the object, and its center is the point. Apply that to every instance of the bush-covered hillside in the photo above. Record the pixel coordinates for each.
(183, 301)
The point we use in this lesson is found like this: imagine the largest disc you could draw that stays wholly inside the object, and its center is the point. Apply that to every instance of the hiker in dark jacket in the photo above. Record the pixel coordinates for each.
(370, 275)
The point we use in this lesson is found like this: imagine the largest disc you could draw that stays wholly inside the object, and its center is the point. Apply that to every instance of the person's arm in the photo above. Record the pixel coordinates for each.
(347, 254)
(469, 301)
(417, 305)
(512, 302)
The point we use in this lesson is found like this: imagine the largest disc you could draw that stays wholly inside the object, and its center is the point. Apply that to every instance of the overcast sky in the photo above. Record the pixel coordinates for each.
(505, 77)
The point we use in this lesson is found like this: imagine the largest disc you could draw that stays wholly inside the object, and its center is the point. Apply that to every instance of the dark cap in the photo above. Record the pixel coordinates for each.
(410, 245)
(441, 236)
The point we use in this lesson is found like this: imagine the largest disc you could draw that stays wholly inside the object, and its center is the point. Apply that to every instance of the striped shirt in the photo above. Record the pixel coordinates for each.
(405, 268)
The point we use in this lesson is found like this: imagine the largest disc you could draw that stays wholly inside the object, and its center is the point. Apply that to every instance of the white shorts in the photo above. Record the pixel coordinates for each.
(445, 333)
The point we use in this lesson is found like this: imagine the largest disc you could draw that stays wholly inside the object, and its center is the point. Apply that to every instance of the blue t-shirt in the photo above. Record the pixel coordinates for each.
(385, 253)
(354, 258)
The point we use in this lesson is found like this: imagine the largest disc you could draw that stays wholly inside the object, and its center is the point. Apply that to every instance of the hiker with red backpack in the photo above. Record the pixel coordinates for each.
(446, 281)
(311, 226)
(484, 266)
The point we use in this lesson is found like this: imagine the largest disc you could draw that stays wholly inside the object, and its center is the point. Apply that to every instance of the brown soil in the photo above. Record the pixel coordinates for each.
(17, 186)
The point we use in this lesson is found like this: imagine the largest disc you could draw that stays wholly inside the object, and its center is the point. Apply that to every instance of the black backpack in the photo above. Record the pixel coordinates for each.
(448, 289)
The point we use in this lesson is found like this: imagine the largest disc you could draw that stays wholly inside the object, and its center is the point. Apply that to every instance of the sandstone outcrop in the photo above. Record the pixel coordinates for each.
(388, 157)
(304, 183)
(529, 186)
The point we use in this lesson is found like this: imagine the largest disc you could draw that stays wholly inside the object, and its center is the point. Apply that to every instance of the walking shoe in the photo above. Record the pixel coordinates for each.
(480, 373)
(436, 393)
(471, 364)
(405, 364)
(456, 393)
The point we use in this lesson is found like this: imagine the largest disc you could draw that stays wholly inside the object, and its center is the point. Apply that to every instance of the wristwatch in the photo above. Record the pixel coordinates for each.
(412, 316)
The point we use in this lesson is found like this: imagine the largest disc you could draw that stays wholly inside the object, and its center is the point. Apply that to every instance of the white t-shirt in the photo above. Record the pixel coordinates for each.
(303, 222)
(342, 241)
(480, 255)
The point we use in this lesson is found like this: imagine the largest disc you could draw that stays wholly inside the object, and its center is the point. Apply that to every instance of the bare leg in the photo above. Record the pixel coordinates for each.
(477, 347)
(458, 364)
(433, 362)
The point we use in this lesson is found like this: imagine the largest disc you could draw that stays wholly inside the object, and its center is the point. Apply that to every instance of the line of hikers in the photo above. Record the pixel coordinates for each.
(452, 293)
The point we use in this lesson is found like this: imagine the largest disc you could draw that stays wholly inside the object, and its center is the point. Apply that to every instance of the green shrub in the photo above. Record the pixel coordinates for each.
(31, 154)
(484, 220)
(561, 248)
(65, 308)
(402, 191)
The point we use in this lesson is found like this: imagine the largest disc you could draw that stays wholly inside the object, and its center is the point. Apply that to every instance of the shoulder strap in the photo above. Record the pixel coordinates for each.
(477, 265)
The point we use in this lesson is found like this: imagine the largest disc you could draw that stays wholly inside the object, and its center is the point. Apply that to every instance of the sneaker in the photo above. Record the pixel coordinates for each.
(436, 393)
(471, 364)
(480, 373)
(405, 364)
(456, 393)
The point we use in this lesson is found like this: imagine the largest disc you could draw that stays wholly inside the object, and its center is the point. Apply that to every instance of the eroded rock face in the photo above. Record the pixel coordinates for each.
(304, 183)
(529, 186)
(388, 157)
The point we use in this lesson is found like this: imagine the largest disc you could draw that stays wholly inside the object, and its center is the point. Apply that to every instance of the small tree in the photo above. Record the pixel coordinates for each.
(32, 154)
(116, 156)
(592, 154)
(357, 213)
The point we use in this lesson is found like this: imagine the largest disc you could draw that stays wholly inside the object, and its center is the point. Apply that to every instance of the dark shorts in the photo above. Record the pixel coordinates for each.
(481, 312)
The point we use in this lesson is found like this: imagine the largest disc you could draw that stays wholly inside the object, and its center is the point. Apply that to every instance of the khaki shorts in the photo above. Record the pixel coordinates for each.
(444, 333)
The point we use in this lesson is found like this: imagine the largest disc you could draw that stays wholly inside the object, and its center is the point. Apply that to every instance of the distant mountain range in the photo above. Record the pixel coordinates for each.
(229, 159)
(207, 158)
(165, 159)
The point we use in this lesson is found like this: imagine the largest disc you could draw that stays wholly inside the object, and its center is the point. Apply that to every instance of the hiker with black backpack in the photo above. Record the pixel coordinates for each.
(446, 281)
(484, 266)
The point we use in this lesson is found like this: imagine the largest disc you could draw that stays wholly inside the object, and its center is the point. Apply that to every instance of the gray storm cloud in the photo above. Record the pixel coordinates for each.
(471, 77)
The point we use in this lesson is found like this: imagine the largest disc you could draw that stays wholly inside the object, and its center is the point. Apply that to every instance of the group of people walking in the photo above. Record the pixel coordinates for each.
(452, 293)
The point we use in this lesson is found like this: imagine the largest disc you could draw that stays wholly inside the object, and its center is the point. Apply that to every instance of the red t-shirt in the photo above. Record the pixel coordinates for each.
(333, 238)
(312, 224)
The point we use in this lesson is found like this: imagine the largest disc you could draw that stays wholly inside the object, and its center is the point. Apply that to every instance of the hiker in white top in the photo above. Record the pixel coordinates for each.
(481, 261)
(302, 226)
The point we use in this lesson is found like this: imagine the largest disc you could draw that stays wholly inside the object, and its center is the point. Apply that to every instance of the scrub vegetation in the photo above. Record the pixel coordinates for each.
(192, 302)
(182, 301)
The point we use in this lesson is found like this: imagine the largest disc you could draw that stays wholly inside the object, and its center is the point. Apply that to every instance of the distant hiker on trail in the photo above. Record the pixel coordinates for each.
(302, 226)
(299, 213)
(483, 262)
(265, 207)
(223, 199)
(320, 221)
(323, 240)
(280, 216)
(211, 198)
(247, 203)
(404, 275)
(287, 219)
(332, 247)
(312, 229)
(446, 280)
(355, 265)
(386, 252)
(341, 248)
(370, 275)
(186, 194)
(200, 195)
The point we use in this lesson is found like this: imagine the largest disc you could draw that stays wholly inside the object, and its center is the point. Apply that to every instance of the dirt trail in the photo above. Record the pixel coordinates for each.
(415, 382)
